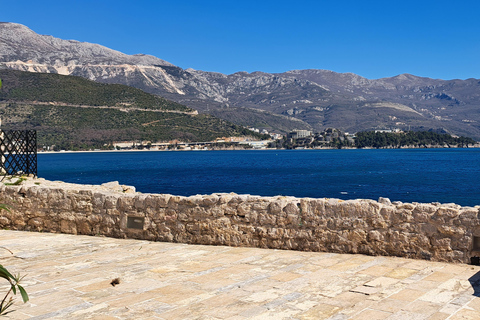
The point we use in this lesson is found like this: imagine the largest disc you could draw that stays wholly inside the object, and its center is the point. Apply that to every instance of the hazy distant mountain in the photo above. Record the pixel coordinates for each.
(314, 99)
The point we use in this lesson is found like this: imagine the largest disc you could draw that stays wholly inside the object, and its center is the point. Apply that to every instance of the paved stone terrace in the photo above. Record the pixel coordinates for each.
(68, 277)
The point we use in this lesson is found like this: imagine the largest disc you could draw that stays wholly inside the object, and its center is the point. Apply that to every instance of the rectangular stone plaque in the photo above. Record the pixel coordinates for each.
(135, 222)
(476, 243)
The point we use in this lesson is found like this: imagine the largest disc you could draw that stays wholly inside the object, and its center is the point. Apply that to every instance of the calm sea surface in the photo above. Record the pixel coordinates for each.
(408, 175)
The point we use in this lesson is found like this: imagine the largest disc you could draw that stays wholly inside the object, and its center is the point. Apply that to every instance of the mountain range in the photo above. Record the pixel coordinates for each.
(297, 99)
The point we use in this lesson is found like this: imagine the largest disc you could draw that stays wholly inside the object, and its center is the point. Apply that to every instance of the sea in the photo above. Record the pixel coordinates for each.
(407, 175)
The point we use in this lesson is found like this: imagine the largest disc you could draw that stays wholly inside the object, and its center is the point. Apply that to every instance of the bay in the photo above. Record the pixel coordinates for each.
(407, 175)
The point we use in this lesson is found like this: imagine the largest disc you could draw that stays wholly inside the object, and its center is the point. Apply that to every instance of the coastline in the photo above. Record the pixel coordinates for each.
(477, 146)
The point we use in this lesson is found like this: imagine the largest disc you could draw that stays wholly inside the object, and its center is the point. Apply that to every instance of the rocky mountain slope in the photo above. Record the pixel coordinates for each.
(303, 99)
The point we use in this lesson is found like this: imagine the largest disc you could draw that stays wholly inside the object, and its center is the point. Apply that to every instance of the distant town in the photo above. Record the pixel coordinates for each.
(299, 138)
(330, 138)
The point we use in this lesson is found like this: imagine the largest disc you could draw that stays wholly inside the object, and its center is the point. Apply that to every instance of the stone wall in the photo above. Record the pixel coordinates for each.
(440, 232)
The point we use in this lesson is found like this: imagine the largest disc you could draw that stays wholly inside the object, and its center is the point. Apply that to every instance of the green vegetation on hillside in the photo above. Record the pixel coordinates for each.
(374, 139)
(334, 138)
(47, 87)
(75, 128)
(73, 113)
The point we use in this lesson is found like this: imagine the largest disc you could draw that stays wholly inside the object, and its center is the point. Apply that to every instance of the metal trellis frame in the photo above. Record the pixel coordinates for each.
(18, 152)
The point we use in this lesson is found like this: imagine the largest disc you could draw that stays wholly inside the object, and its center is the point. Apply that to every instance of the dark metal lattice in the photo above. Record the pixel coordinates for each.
(18, 152)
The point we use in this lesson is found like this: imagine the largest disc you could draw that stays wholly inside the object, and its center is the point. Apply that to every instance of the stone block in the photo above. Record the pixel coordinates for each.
(139, 201)
(446, 212)
(36, 223)
(68, 226)
(375, 235)
(113, 186)
(292, 208)
(406, 206)
(209, 201)
(83, 227)
(4, 222)
(125, 203)
(162, 200)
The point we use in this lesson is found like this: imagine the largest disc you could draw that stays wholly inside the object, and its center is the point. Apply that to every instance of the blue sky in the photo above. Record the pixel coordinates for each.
(374, 39)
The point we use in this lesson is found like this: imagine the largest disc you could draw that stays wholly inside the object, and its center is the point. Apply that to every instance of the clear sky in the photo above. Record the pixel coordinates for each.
(374, 39)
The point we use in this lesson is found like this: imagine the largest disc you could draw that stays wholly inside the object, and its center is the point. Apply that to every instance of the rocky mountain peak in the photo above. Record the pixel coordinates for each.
(19, 43)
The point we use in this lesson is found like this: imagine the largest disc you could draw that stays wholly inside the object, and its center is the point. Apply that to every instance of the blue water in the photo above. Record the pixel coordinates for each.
(408, 175)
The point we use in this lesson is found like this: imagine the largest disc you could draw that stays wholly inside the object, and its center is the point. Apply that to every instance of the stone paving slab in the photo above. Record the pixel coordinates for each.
(68, 277)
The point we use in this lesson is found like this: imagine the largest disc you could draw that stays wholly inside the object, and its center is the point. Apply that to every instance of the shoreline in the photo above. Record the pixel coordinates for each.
(252, 149)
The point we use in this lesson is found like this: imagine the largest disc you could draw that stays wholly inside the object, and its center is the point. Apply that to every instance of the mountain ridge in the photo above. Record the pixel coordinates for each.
(318, 99)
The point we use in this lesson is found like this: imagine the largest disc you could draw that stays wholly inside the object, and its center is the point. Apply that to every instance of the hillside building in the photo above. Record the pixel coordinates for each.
(298, 134)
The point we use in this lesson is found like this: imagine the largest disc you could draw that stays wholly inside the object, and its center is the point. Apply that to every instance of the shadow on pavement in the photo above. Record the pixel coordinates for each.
(475, 282)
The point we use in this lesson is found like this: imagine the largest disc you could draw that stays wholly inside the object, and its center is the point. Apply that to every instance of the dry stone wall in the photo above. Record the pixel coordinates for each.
(440, 232)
